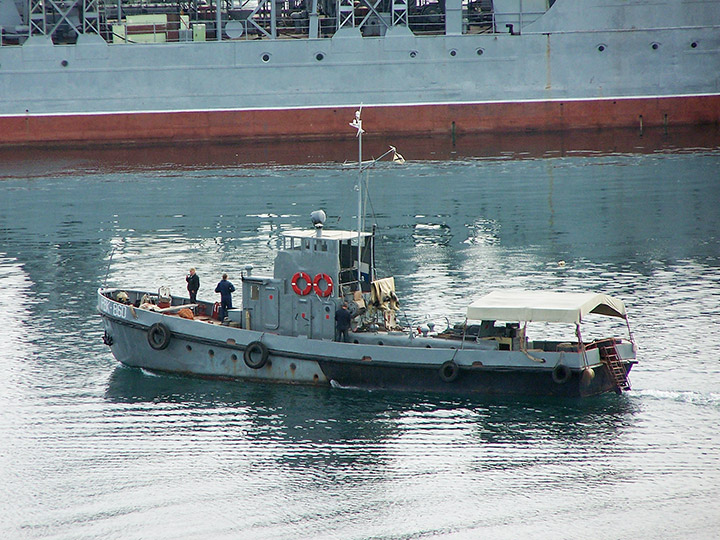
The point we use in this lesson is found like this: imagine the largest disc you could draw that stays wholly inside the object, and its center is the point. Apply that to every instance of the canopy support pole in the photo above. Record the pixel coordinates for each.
(627, 323)
(581, 345)
(523, 345)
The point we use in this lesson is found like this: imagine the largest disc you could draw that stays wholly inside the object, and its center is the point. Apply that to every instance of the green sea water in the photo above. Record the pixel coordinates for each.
(91, 449)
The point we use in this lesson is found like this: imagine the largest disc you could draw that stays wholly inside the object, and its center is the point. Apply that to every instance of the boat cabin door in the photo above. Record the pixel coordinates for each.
(323, 320)
(271, 311)
(314, 318)
(302, 322)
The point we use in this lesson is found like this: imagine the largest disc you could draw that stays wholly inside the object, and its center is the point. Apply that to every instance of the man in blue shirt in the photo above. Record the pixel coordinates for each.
(225, 288)
(342, 323)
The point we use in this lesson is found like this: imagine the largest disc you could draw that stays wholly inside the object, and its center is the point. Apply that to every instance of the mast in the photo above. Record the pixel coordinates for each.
(397, 158)
(357, 124)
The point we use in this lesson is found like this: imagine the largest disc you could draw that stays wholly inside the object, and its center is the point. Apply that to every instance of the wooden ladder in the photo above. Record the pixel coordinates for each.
(611, 358)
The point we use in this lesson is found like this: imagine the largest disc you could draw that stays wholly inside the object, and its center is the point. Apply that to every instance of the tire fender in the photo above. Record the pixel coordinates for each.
(158, 336)
(561, 374)
(255, 355)
(449, 371)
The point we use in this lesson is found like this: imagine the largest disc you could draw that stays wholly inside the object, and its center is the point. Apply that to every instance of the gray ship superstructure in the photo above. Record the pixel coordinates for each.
(90, 71)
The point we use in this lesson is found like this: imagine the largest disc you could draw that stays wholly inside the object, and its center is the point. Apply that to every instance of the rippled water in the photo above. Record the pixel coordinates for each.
(89, 449)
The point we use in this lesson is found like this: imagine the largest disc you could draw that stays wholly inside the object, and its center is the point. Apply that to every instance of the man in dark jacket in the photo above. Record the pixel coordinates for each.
(193, 285)
(342, 323)
(225, 288)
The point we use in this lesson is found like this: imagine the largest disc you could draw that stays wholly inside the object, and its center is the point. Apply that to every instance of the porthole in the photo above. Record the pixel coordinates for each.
(64, 63)
(453, 52)
(320, 57)
(265, 57)
(655, 46)
(601, 47)
(211, 353)
(694, 44)
(479, 52)
(413, 54)
(233, 357)
(188, 347)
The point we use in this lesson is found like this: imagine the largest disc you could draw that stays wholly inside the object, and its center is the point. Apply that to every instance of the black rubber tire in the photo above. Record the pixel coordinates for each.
(158, 336)
(250, 355)
(449, 371)
(561, 374)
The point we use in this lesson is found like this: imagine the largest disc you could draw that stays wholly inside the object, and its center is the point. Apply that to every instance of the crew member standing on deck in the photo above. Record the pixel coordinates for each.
(342, 323)
(225, 288)
(193, 285)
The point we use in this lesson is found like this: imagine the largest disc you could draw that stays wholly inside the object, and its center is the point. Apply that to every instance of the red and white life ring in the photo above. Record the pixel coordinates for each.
(316, 285)
(308, 283)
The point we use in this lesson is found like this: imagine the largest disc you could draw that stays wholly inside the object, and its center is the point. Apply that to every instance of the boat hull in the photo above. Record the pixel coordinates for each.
(214, 351)
(471, 380)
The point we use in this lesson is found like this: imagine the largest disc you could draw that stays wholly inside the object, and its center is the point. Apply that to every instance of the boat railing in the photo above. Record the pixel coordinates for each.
(161, 22)
(127, 22)
(555, 346)
(603, 342)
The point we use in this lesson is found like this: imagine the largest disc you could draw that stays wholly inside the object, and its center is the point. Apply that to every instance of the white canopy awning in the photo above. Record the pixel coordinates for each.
(515, 305)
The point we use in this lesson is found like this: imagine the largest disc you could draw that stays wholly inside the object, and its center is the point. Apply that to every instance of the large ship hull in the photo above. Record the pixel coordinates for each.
(622, 67)
(324, 122)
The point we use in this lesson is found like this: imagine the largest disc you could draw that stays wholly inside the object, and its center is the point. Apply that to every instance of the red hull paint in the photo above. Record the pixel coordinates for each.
(36, 160)
(320, 123)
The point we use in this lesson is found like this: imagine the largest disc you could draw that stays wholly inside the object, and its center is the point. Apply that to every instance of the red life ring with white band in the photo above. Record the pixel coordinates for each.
(296, 287)
(316, 285)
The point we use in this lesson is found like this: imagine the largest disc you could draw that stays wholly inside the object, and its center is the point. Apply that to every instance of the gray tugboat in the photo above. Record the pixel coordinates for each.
(285, 329)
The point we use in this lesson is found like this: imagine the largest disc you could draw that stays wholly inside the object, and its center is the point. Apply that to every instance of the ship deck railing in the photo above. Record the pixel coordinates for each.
(251, 25)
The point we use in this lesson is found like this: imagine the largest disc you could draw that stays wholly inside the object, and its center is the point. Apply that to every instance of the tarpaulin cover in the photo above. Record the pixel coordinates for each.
(516, 305)
(383, 294)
